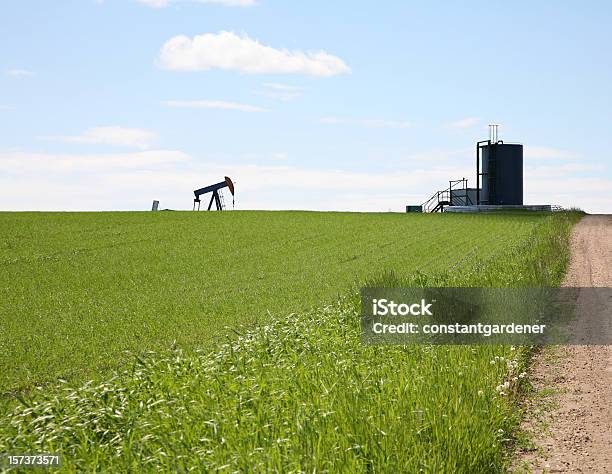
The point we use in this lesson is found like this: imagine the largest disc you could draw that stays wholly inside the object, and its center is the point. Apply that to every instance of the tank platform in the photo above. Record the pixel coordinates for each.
(501, 207)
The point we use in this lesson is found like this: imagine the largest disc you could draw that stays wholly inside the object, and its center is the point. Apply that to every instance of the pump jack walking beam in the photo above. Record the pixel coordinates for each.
(214, 189)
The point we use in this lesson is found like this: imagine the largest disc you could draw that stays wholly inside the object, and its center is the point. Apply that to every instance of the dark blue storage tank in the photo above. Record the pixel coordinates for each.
(502, 174)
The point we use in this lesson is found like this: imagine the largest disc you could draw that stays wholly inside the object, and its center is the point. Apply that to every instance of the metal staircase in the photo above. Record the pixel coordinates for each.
(437, 202)
(450, 196)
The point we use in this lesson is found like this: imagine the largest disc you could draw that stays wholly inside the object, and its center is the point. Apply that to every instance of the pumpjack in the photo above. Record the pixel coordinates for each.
(217, 196)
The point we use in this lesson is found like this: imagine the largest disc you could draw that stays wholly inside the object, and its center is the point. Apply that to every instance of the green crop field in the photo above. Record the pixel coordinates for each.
(77, 290)
(230, 341)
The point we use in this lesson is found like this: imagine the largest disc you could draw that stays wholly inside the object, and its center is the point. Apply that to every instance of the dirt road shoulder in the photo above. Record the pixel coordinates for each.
(569, 418)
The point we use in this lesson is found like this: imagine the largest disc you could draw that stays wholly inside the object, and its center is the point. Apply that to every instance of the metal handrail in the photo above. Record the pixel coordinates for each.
(444, 195)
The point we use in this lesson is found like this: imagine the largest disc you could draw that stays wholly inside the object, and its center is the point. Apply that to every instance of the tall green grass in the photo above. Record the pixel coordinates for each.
(78, 290)
(302, 394)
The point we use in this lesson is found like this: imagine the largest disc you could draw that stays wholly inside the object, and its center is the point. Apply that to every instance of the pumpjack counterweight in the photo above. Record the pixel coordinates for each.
(216, 196)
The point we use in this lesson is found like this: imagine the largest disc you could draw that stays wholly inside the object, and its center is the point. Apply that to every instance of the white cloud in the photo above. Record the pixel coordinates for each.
(47, 163)
(547, 153)
(280, 91)
(130, 137)
(257, 157)
(213, 104)
(282, 87)
(563, 177)
(586, 192)
(464, 123)
(132, 180)
(332, 120)
(563, 169)
(125, 181)
(367, 123)
(19, 72)
(228, 51)
(117, 181)
(438, 156)
(380, 123)
(154, 3)
(229, 3)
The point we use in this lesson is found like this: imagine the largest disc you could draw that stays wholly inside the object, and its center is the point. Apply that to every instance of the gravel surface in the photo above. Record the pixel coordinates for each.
(576, 434)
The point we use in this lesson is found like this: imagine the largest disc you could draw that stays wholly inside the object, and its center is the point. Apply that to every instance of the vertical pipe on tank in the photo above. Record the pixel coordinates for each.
(493, 132)
(478, 181)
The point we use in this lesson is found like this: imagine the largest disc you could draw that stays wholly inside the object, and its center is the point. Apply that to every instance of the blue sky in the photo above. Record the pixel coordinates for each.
(306, 105)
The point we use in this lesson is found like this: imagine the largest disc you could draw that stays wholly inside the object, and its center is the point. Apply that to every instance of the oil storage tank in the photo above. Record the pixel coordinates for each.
(502, 174)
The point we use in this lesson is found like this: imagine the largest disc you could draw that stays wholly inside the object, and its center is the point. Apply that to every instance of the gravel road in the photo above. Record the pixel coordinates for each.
(578, 430)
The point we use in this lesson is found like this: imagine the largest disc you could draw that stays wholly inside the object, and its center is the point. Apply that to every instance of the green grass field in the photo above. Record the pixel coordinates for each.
(267, 372)
(77, 290)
